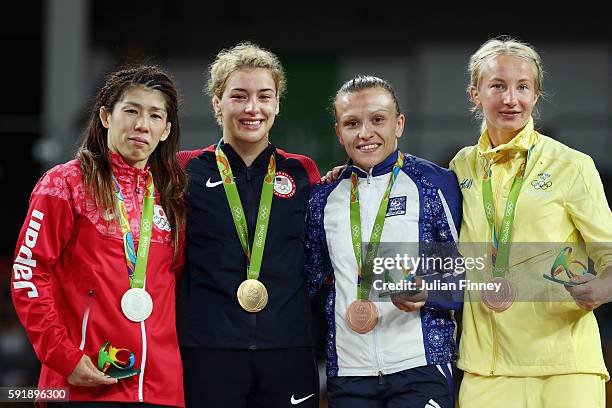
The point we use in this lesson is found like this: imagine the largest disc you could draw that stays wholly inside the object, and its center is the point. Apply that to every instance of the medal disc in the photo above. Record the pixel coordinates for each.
(362, 316)
(137, 304)
(252, 295)
(500, 300)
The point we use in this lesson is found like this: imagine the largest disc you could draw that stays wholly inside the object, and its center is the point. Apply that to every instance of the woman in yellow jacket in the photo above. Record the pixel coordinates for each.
(539, 208)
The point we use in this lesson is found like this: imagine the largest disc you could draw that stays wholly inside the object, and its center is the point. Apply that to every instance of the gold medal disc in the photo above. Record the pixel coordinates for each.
(252, 295)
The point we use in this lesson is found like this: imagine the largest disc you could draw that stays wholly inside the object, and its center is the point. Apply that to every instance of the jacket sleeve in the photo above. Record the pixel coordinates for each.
(447, 218)
(45, 232)
(587, 205)
(318, 265)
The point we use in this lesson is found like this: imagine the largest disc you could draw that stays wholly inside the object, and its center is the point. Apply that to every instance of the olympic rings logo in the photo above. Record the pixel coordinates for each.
(542, 183)
(238, 213)
(376, 231)
(146, 225)
(264, 213)
(162, 223)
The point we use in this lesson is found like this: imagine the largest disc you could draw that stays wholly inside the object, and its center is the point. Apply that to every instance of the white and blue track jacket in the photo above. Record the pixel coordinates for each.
(424, 208)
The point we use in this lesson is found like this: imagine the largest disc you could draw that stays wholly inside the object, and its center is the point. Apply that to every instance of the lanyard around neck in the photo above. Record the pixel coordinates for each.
(364, 278)
(500, 248)
(254, 258)
(137, 262)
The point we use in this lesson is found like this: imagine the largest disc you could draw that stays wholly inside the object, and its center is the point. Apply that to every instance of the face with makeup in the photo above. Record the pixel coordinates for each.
(136, 124)
(247, 107)
(506, 95)
(368, 125)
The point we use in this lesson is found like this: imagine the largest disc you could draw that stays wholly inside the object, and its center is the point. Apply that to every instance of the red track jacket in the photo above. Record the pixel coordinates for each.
(69, 276)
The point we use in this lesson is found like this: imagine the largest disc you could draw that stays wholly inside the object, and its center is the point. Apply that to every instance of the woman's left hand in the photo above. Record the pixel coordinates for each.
(591, 291)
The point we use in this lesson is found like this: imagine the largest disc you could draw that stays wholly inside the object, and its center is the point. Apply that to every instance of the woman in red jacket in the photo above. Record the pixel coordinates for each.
(95, 264)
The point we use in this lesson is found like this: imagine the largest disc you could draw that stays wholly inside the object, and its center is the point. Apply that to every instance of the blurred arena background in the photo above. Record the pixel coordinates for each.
(55, 54)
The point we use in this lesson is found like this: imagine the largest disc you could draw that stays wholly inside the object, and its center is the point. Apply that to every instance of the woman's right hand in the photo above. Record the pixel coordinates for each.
(86, 374)
(332, 175)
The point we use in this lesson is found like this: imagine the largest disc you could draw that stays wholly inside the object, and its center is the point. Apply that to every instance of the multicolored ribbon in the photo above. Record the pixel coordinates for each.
(137, 262)
(255, 258)
(364, 274)
(500, 249)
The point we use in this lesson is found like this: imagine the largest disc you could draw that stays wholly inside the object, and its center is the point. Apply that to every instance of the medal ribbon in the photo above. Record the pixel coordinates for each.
(500, 248)
(254, 258)
(364, 278)
(137, 262)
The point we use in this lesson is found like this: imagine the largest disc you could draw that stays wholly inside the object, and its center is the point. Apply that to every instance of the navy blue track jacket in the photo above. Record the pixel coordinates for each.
(208, 311)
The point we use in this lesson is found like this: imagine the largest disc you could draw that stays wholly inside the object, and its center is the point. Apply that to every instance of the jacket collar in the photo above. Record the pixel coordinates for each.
(262, 159)
(123, 170)
(519, 143)
(386, 166)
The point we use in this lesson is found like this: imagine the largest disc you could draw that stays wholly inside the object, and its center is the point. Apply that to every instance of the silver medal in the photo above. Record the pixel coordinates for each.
(137, 304)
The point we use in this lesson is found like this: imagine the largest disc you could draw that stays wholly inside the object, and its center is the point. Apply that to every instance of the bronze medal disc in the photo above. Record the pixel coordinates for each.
(252, 295)
(362, 316)
(498, 301)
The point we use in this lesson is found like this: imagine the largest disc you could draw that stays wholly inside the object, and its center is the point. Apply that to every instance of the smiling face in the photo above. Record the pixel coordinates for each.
(368, 125)
(137, 123)
(247, 108)
(506, 95)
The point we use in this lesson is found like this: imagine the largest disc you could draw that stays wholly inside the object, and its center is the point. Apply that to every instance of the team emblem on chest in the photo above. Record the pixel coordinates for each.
(397, 206)
(159, 218)
(543, 182)
(284, 185)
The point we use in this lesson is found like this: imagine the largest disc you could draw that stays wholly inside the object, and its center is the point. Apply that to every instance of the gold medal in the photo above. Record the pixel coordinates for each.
(362, 316)
(500, 300)
(252, 295)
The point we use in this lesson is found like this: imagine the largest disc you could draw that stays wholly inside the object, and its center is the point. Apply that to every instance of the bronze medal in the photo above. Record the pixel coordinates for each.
(362, 316)
(498, 301)
(252, 295)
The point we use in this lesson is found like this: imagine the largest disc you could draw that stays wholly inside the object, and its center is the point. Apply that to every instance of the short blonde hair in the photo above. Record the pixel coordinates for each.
(504, 45)
(243, 55)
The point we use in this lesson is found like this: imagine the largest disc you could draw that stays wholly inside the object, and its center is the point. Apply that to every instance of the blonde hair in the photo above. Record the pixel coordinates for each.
(504, 45)
(243, 55)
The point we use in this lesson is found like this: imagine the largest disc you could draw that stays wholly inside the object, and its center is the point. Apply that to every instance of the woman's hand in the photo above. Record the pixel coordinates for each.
(86, 374)
(411, 303)
(591, 291)
(332, 175)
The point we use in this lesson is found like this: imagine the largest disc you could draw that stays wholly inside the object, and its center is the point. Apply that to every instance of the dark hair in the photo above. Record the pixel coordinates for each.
(93, 154)
(361, 82)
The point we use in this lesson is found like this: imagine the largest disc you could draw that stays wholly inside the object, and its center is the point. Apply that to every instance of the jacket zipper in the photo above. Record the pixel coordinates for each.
(250, 220)
(495, 345)
(495, 350)
(143, 332)
(380, 372)
(137, 189)
(143, 363)
(368, 230)
(85, 320)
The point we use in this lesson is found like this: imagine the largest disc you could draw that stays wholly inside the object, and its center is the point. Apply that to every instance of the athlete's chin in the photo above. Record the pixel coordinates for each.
(252, 137)
(366, 161)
